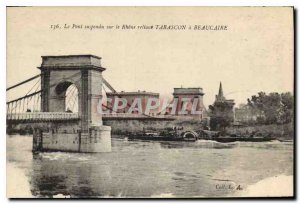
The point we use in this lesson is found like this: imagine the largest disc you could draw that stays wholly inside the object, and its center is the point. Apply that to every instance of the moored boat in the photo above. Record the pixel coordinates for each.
(216, 136)
(167, 134)
(178, 134)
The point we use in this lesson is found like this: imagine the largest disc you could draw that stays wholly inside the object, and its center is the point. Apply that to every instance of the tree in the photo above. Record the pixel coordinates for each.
(276, 108)
(286, 108)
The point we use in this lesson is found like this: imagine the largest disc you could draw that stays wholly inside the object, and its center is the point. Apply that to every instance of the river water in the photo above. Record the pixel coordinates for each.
(147, 168)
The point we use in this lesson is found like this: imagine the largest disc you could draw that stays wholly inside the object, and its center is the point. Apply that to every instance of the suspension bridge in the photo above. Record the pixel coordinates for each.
(64, 99)
(61, 105)
(27, 108)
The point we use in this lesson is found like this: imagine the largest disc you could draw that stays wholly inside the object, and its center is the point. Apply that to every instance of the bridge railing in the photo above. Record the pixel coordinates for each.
(49, 116)
(123, 115)
(133, 116)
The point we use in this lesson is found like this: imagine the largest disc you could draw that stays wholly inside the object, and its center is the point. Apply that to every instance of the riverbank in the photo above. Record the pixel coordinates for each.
(121, 127)
(285, 131)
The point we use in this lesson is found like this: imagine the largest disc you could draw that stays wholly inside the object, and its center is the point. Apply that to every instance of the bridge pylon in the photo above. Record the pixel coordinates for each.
(87, 133)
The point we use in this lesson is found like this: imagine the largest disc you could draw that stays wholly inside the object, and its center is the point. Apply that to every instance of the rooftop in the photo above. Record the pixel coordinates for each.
(67, 61)
(194, 91)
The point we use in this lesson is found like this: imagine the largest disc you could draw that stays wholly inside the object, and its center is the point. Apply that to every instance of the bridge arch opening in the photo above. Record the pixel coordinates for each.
(71, 102)
(69, 92)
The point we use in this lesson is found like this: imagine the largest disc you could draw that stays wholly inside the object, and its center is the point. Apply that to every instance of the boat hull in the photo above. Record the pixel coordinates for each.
(150, 138)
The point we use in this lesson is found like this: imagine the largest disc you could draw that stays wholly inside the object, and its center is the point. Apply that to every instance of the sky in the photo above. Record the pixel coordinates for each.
(254, 54)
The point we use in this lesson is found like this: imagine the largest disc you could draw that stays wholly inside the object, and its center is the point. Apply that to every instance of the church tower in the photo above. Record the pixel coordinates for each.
(221, 111)
(220, 96)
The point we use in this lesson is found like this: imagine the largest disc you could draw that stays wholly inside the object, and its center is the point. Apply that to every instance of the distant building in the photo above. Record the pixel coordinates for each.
(246, 114)
(220, 98)
(130, 97)
(222, 114)
(194, 96)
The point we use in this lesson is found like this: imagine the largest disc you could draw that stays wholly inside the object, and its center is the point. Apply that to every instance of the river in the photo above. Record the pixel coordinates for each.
(145, 169)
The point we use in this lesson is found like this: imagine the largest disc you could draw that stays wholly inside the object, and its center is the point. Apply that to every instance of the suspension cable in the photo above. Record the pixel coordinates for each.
(23, 82)
(70, 96)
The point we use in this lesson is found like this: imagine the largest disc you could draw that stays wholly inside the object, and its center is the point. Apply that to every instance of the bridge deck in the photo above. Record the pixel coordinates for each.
(42, 116)
(128, 116)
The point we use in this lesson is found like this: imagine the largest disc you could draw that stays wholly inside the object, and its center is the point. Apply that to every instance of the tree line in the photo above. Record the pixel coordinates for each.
(276, 108)
(272, 108)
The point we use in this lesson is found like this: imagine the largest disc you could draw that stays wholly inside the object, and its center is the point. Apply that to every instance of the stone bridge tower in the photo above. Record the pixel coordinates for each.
(85, 72)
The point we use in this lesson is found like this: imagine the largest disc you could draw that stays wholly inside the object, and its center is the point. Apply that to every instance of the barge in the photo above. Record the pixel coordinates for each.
(178, 134)
(167, 134)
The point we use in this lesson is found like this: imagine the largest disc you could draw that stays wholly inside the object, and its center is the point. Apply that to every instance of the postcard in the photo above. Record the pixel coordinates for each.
(150, 102)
